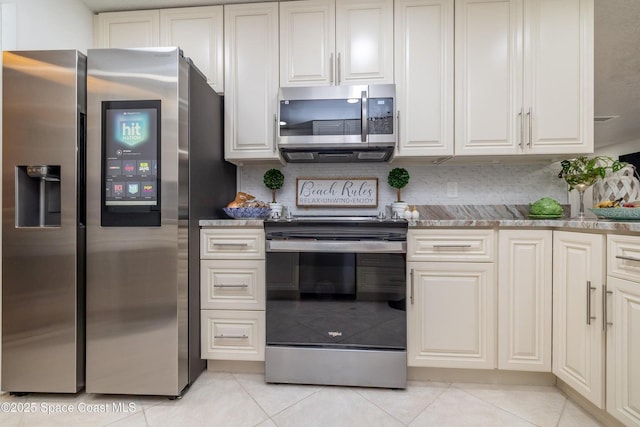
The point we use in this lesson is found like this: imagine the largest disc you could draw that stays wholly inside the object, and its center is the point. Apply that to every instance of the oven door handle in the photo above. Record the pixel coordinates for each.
(336, 246)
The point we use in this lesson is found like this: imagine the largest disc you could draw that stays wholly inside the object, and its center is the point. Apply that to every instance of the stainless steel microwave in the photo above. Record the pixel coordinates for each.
(337, 123)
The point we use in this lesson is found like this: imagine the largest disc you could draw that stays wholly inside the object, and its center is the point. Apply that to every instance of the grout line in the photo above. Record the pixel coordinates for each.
(233, 375)
(270, 417)
(566, 400)
(497, 407)
(432, 402)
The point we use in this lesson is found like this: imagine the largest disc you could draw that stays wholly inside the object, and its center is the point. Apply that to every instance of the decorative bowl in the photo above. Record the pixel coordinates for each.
(620, 214)
(247, 213)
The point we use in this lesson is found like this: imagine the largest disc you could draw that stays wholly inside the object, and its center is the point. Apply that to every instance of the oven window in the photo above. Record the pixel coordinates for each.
(343, 300)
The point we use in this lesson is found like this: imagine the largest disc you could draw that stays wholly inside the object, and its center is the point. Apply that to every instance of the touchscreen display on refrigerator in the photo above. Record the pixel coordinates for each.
(131, 156)
(131, 160)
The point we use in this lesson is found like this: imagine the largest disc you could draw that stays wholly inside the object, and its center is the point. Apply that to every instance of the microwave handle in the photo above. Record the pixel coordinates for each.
(365, 117)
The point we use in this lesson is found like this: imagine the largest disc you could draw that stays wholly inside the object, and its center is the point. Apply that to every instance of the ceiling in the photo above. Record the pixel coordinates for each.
(617, 60)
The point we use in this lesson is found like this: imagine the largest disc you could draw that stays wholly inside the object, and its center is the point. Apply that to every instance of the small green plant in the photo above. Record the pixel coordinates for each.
(398, 178)
(585, 170)
(274, 180)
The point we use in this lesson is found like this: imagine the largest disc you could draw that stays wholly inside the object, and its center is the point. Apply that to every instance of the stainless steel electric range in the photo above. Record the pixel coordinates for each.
(336, 301)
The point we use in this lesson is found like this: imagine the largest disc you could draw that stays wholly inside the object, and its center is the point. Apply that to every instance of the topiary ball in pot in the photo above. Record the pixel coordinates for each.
(398, 178)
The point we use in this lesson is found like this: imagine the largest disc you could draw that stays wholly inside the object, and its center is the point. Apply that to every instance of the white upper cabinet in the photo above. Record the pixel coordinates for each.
(251, 81)
(333, 42)
(424, 77)
(524, 77)
(197, 31)
(138, 28)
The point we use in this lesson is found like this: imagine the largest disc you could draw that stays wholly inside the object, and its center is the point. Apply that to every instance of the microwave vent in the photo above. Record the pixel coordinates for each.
(372, 155)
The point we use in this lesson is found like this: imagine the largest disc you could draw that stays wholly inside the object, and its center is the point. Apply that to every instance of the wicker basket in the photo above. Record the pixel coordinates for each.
(622, 184)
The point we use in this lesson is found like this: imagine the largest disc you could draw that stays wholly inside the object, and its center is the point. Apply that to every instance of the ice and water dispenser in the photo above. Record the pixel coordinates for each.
(38, 196)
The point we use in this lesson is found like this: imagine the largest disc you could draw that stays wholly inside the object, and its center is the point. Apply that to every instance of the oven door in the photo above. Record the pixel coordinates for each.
(341, 300)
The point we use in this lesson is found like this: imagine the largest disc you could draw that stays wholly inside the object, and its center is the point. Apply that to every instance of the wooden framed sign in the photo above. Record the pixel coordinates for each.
(337, 192)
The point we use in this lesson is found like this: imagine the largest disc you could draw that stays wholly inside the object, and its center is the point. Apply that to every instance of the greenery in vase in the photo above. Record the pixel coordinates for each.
(585, 170)
(398, 178)
(274, 180)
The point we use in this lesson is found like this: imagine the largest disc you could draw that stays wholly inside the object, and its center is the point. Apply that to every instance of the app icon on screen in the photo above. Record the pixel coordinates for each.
(144, 167)
(133, 189)
(118, 189)
(129, 167)
(148, 189)
(114, 167)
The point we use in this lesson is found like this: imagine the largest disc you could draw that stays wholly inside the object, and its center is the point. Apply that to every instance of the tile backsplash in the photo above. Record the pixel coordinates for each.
(429, 184)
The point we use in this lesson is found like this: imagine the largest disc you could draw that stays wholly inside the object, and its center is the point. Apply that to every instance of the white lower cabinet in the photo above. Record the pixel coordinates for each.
(232, 293)
(451, 304)
(524, 300)
(232, 335)
(578, 336)
(622, 314)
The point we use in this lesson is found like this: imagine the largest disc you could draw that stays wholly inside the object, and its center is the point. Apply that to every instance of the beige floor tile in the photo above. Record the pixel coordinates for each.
(335, 407)
(574, 416)
(215, 399)
(457, 408)
(274, 398)
(78, 410)
(405, 405)
(11, 410)
(540, 405)
(135, 420)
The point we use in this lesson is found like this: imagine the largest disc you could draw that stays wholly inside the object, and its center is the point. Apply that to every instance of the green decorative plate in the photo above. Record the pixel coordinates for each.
(544, 216)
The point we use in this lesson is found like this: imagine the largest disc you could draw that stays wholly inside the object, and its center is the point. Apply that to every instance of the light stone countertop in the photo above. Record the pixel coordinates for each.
(490, 216)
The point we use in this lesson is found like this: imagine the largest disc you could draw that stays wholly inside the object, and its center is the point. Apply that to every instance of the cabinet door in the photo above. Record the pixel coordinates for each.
(307, 43)
(364, 41)
(450, 315)
(524, 300)
(424, 77)
(140, 28)
(558, 76)
(578, 338)
(623, 351)
(198, 31)
(251, 81)
(488, 91)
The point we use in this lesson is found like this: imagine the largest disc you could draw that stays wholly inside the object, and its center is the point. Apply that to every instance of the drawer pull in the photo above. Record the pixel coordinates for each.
(451, 246)
(238, 337)
(230, 286)
(627, 258)
(237, 245)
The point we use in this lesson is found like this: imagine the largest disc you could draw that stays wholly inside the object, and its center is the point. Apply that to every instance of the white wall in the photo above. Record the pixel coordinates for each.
(619, 149)
(47, 24)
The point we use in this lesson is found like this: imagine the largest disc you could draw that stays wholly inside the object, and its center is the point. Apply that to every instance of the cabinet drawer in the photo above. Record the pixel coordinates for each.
(232, 284)
(232, 243)
(624, 257)
(232, 335)
(451, 245)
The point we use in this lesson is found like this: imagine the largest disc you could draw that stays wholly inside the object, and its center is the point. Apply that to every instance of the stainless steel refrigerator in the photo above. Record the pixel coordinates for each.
(43, 221)
(155, 166)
